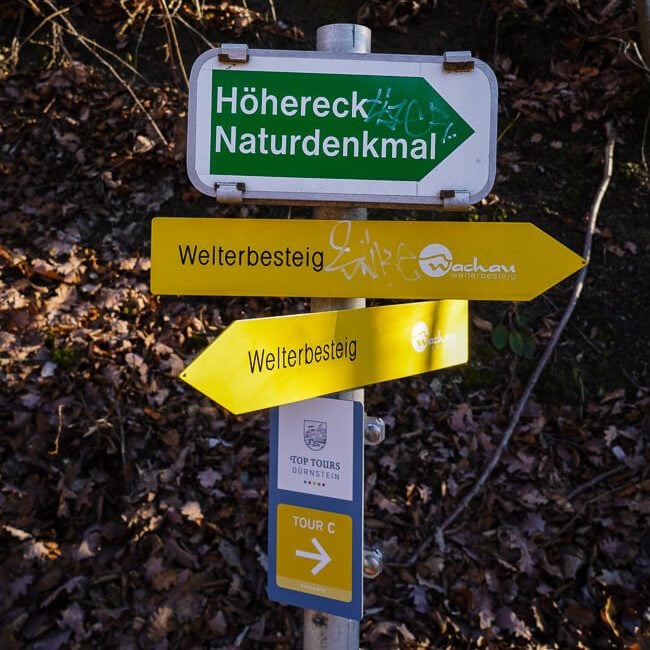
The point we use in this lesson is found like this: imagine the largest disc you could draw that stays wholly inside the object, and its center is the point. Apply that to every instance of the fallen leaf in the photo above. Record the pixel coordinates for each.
(482, 324)
(208, 477)
(161, 623)
(230, 554)
(419, 598)
(218, 625)
(192, 510)
(143, 144)
(386, 504)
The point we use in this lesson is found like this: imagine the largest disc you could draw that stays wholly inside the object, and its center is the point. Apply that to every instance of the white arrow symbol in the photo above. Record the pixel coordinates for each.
(323, 558)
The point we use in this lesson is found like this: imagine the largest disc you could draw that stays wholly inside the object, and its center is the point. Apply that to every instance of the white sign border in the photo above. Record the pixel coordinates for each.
(468, 161)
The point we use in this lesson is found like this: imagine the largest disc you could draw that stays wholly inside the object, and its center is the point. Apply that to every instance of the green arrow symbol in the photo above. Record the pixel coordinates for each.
(312, 125)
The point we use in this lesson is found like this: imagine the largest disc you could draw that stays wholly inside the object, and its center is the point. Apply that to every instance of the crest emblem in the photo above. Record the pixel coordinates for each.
(315, 434)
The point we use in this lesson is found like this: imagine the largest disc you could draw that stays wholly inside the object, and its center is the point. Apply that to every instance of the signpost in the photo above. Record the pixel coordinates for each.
(339, 127)
(310, 127)
(346, 258)
(316, 506)
(265, 362)
(321, 630)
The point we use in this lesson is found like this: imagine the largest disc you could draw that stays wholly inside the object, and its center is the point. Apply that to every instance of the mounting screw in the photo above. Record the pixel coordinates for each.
(373, 562)
(374, 431)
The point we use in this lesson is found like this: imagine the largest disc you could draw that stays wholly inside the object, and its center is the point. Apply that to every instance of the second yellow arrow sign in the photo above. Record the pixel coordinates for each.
(266, 362)
(372, 259)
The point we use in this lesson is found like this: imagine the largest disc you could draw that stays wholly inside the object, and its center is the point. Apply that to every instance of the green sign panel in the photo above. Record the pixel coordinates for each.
(334, 126)
(317, 127)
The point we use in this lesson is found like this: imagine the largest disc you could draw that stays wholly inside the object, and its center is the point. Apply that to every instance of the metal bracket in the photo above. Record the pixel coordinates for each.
(457, 61)
(374, 430)
(230, 192)
(233, 53)
(373, 562)
(455, 199)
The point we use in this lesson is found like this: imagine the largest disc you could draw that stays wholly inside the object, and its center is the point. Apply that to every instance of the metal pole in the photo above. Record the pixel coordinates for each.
(325, 631)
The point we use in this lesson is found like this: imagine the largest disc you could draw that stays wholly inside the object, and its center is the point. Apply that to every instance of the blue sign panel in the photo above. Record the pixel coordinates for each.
(316, 506)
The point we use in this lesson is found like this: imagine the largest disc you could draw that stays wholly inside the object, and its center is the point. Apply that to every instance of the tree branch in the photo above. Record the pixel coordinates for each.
(548, 351)
(71, 29)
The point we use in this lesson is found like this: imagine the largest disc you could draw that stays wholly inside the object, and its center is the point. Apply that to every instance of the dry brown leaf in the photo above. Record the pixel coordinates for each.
(161, 623)
(482, 324)
(192, 510)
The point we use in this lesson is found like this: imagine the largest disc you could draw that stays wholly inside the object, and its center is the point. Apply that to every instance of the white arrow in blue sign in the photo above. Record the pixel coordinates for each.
(323, 558)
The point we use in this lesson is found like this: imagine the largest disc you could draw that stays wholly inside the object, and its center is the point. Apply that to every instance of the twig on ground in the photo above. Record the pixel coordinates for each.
(15, 42)
(620, 488)
(633, 381)
(136, 53)
(57, 440)
(594, 346)
(577, 290)
(90, 42)
(548, 351)
(172, 34)
(194, 31)
(636, 60)
(274, 15)
(42, 24)
(597, 479)
(120, 423)
(514, 121)
(644, 137)
(71, 28)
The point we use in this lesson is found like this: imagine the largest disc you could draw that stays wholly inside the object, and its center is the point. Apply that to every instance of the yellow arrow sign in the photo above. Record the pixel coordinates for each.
(314, 552)
(372, 259)
(266, 362)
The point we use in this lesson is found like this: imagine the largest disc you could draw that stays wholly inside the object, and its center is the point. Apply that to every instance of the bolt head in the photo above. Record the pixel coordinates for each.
(373, 563)
(375, 431)
(371, 567)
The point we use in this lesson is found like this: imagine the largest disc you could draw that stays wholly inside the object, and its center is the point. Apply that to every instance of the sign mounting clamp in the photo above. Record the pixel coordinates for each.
(232, 193)
(458, 61)
(455, 199)
(233, 53)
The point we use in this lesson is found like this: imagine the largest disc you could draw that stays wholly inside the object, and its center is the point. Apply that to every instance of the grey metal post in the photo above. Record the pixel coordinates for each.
(325, 631)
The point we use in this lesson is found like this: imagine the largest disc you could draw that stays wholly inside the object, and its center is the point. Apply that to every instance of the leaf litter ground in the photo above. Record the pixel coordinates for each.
(133, 511)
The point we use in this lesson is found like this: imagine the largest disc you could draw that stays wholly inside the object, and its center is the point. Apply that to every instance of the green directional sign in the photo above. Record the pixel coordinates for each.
(334, 126)
(313, 127)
